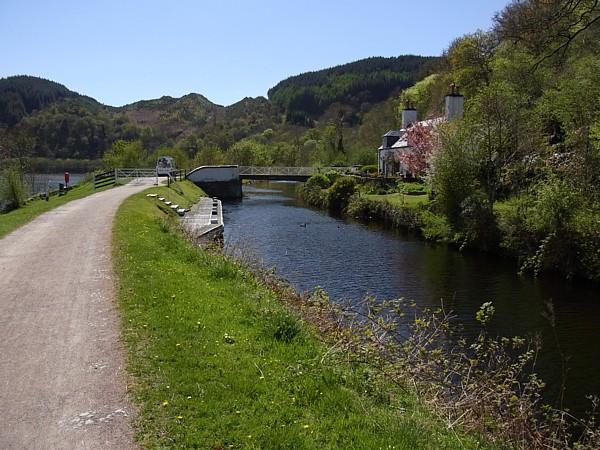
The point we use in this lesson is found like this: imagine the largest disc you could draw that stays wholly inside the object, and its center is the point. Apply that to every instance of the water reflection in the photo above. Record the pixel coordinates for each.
(349, 260)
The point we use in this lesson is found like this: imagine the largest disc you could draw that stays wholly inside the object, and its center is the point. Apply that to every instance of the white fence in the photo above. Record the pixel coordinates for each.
(291, 171)
(135, 173)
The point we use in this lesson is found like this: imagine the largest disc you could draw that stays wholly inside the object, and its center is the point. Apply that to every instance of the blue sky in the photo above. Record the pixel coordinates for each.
(123, 51)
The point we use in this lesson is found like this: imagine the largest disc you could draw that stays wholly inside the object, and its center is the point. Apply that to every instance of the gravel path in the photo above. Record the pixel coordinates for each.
(62, 384)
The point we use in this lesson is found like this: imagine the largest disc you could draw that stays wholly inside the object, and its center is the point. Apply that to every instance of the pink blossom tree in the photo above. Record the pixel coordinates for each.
(421, 141)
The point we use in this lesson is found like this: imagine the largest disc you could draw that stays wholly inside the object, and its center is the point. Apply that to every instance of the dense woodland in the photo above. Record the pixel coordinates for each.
(304, 98)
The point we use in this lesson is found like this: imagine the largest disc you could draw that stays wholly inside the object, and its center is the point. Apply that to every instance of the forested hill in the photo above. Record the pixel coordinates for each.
(21, 95)
(358, 84)
(56, 122)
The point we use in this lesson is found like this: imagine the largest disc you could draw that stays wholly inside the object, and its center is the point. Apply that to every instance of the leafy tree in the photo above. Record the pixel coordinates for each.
(249, 153)
(470, 58)
(453, 170)
(421, 140)
(502, 130)
(210, 155)
(549, 28)
(126, 154)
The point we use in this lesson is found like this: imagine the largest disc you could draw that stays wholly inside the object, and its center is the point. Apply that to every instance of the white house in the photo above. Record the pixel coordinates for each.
(394, 141)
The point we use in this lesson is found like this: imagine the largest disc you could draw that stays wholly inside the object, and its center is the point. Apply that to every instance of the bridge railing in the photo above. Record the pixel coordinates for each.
(292, 171)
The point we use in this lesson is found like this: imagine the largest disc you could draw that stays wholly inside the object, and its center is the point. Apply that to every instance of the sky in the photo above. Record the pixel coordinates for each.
(122, 51)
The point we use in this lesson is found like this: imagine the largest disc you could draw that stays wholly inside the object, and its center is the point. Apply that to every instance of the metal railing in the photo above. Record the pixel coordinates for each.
(134, 173)
(291, 171)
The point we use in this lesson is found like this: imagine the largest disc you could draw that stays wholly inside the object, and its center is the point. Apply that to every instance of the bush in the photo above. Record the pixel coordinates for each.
(435, 227)
(317, 181)
(479, 223)
(412, 188)
(12, 189)
(340, 193)
(332, 176)
(370, 169)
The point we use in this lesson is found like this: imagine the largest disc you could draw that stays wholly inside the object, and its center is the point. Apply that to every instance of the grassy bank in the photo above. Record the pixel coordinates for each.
(217, 361)
(17, 217)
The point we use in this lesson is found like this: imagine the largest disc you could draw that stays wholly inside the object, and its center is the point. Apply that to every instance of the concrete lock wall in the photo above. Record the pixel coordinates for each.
(218, 181)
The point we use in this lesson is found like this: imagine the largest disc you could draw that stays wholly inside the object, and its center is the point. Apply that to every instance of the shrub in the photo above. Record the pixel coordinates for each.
(317, 181)
(371, 169)
(332, 176)
(479, 223)
(435, 227)
(412, 188)
(340, 193)
(12, 188)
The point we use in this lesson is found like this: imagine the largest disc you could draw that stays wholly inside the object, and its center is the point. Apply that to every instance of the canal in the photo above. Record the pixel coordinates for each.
(349, 260)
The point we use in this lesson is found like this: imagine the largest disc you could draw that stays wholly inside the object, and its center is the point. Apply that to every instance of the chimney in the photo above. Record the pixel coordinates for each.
(409, 115)
(455, 104)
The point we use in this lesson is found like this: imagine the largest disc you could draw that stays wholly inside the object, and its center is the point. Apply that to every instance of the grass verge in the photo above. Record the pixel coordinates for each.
(12, 220)
(217, 360)
(398, 199)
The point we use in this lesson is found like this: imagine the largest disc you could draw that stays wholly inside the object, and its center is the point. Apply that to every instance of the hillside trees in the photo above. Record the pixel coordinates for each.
(126, 154)
(21, 95)
(550, 28)
(304, 97)
(470, 58)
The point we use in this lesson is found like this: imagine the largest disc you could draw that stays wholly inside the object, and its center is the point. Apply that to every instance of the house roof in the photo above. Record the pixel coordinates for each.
(393, 133)
(401, 143)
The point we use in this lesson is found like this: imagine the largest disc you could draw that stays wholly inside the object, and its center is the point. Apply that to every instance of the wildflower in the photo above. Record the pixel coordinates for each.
(165, 403)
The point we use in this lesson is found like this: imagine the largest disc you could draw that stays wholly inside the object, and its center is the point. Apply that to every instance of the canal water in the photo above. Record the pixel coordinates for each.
(37, 182)
(349, 260)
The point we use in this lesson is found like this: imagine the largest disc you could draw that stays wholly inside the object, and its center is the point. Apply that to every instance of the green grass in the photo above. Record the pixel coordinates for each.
(14, 219)
(397, 199)
(217, 361)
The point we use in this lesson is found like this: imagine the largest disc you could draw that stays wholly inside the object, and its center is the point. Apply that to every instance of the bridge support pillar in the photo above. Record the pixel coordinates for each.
(218, 181)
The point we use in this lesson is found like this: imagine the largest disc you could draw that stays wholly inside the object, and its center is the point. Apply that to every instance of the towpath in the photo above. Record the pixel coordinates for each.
(62, 384)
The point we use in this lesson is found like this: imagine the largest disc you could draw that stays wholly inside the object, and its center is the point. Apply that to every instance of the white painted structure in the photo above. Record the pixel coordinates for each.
(211, 174)
(218, 181)
(395, 141)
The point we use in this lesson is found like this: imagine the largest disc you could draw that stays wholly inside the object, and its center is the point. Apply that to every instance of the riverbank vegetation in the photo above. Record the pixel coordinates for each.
(218, 361)
(222, 356)
(519, 173)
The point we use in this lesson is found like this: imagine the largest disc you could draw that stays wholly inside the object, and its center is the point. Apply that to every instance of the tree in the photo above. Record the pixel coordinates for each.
(126, 154)
(453, 170)
(549, 28)
(503, 133)
(470, 59)
(573, 104)
(420, 138)
(249, 153)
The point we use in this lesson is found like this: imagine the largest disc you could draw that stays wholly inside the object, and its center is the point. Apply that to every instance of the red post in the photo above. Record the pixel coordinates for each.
(67, 176)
